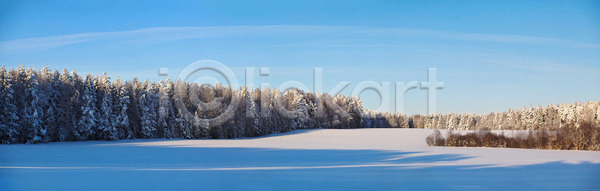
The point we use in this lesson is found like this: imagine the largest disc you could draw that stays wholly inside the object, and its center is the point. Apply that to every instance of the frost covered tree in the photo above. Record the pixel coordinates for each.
(8, 111)
(106, 128)
(34, 129)
(183, 120)
(119, 105)
(88, 123)
(49, 96)
(302, 118)
(148, 110)
(18, 78)
(166, 112)
(252, 113)
(67, 110)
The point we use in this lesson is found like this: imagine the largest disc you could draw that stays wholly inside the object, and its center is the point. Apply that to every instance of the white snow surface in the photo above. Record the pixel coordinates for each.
(317, 159)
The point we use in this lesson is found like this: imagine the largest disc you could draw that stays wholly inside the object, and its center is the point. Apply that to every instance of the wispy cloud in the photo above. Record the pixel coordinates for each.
(181, 33)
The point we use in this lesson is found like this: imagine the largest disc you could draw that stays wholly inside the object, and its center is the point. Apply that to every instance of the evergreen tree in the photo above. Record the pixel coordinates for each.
(66, 111)
(8, 110)
(302, 119)
(49, 96)
(106, 128)
(119, 109)
(35, 131)
(252, 107)
(148, 111)
(167, 119)
(183, 121)
(88, 122)
(134, 110)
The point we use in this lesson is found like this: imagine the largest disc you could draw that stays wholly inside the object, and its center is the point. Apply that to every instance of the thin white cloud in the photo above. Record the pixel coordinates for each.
(180, 33)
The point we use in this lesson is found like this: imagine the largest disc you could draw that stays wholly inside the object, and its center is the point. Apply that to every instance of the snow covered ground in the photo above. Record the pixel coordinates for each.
(320, 159)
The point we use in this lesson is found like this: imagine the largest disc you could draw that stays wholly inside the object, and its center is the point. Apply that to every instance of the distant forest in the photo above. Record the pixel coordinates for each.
(51, 106)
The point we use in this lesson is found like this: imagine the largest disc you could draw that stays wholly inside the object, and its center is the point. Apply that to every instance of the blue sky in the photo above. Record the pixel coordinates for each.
(491, 55)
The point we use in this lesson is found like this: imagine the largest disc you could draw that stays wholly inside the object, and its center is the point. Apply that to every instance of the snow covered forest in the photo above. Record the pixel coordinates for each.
(51, 106)
(532, 118)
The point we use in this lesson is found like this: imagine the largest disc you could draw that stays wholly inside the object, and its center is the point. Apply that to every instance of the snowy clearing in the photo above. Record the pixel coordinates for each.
(319, 159)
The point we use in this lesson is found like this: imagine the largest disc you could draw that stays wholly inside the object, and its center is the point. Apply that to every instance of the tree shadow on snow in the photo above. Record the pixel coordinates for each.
(126, 167)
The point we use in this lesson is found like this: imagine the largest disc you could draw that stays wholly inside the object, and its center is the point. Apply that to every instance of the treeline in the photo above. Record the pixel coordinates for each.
(585, 136)
(51, 106)
(532, 118)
